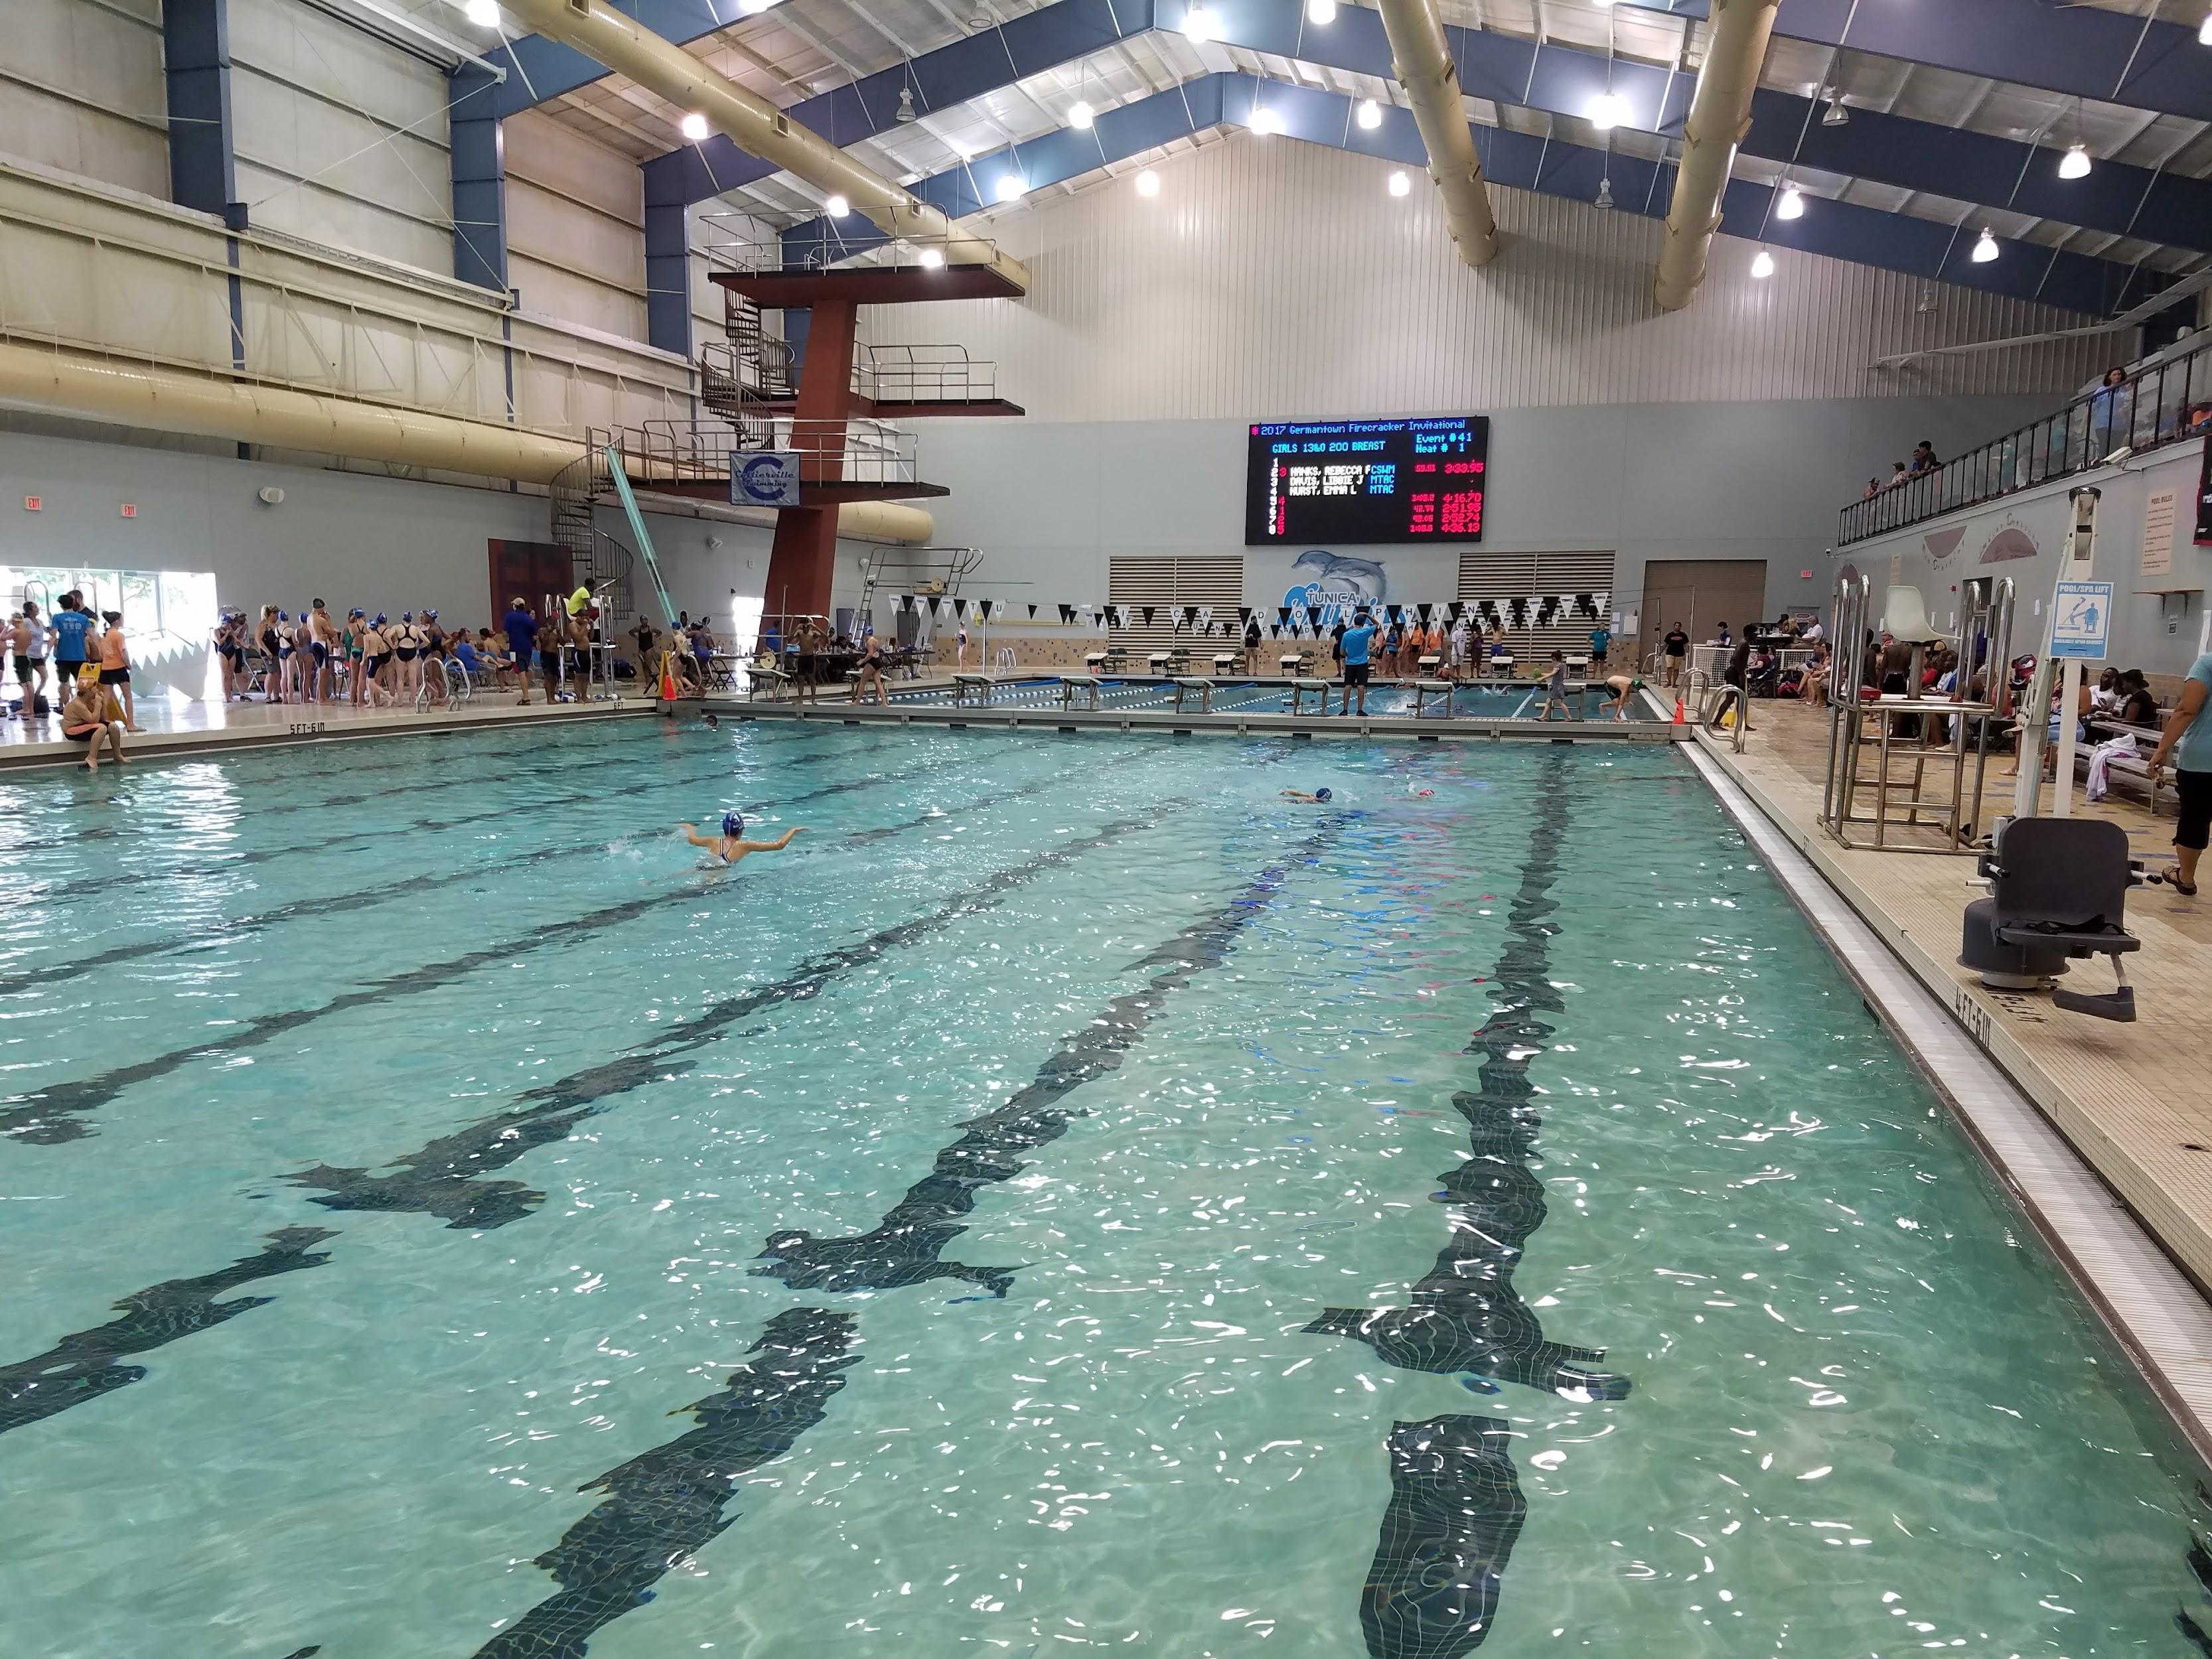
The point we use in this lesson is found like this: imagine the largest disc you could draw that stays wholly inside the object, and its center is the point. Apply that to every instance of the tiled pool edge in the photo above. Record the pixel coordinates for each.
(981, 716)
(163, 745)
(2152, 1306)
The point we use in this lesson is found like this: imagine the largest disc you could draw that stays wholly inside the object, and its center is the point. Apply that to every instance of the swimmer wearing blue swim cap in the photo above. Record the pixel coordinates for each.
(731, 845)
(1319, 797)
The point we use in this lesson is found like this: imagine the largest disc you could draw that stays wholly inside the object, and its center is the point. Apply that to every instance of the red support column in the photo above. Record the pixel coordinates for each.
(803, 561)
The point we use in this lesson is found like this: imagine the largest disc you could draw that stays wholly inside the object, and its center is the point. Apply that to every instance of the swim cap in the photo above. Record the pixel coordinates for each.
(407, 616)
(1322, 793)
(734, 824)
(430, 615)
(355, 612)
(379, 623)
(282, 617)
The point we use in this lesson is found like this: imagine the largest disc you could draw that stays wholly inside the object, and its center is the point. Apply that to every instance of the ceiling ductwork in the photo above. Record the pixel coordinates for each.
(161, 400)
(1423, 63)
(755, 126)
(1720, 116)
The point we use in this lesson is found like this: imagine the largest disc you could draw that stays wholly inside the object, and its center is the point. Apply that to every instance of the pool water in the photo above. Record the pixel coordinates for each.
(1073, 1198)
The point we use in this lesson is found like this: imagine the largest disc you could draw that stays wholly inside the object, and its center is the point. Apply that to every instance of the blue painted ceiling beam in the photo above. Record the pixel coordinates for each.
(203, 151)
(1889, 150)
(478, 153)
(2084, 52)
(943, 79)
(1917, 248)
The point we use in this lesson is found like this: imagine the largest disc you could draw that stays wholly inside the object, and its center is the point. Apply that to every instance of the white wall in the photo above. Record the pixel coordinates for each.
(379, 542)
(1272, 280)
(1049, 501)
(341, 136)
(81, 88)
(2023, 537)
(575, 227)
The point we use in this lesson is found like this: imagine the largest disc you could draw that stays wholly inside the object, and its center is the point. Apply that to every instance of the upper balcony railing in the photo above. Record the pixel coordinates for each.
(2166, 399)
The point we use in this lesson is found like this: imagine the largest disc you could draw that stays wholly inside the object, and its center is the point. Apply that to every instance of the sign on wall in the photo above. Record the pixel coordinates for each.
(2204, 500)
(2158, 533)
(767, 478)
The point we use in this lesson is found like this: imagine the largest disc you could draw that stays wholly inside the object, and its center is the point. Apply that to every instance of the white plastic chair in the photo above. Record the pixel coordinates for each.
(1904, 616)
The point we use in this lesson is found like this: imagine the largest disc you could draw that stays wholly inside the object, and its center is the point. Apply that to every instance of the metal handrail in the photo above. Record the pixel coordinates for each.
(832, 451)
(2155, 405)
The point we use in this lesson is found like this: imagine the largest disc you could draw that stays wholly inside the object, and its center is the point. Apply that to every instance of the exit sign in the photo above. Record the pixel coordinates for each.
(129, 510)
(33, 503)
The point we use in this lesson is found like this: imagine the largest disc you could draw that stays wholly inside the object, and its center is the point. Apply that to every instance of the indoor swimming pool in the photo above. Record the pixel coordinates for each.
(1075, 1197)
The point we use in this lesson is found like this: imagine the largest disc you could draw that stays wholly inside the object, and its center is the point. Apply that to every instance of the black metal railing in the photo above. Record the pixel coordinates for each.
(2167, 400)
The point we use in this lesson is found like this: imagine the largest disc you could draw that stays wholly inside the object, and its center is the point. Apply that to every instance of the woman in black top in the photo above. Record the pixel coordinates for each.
(2137, 705)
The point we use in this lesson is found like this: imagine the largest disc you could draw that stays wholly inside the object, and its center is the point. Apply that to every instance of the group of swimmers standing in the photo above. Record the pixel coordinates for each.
(76, 643)
(372, 661)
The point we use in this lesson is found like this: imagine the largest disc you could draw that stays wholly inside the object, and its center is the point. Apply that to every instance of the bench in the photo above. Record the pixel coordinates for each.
(1425, 688)
(1302, 687)
(774, 679)
(2137, 766)
(979, 686)
(1200, 688)
(1071, 684)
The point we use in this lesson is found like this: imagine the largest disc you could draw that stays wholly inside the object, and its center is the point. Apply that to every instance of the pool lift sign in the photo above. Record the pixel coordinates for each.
(2079, 629)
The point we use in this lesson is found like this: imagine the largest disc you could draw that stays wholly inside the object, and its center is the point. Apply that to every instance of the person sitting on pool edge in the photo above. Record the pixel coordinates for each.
(731, 845)
(1354, 646)
(1319, 797)
(93, 716)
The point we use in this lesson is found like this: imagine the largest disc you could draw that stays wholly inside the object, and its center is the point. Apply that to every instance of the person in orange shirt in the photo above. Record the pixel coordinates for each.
(115, 667)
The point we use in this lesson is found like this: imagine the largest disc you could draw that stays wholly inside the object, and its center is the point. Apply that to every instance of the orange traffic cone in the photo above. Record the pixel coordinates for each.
(1680, 718)
(668, 681)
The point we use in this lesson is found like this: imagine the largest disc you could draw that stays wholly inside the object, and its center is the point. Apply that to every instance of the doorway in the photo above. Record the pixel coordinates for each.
(527, 570)
(1700, 594)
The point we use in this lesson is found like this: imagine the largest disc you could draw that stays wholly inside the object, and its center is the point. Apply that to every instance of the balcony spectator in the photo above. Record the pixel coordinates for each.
(1898, 475)
(1873, 489)
(2111, 408)
(1924, 458)
(2200, 418)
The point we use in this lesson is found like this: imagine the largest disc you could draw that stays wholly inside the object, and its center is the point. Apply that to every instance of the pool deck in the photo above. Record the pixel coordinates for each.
(2130, 1101)
(174, 730)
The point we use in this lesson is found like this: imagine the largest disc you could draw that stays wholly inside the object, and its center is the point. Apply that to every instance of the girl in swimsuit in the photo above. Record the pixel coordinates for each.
(356, 625)
(115, 667)
(376, 655)
(227, 647)
(272, 687)
(731, 845)
(406, 646)
(90, 717)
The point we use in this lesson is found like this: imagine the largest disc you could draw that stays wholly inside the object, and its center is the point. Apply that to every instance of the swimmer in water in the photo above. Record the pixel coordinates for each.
(1319, 797)
(731, 845)
(1622, 687)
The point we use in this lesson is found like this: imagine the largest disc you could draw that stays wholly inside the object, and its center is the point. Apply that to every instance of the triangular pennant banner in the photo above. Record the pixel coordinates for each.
(960, 609)
(1148, 610)
(1282, 616)
(934, 602)
(905, 603)
(1032, 613)
(1244, 613)
(1313, 616)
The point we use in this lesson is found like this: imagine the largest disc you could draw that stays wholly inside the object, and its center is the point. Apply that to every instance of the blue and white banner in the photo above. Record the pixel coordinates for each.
(767, 478)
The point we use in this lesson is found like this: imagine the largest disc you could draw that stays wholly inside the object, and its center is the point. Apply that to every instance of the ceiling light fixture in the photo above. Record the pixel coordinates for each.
(1604, 203)
(1198, 25)
(1836, 115)
(906, 104)
(1264, 121)
(2075, 164)
(837, 207)
(1012, 188)
(981, 18)
(1985, 247)
(1321, 13)
(754, 8)
(1792, 205)
(932, 259)
(1607, 111)
(2205, 30)
(1762, 264)
(1370, 114)
(484, 14)
(1148, 183)
(1080, 116)
(694, 127)
(1399, 184)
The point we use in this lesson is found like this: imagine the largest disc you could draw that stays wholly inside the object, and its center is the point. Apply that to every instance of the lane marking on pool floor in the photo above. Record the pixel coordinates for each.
(667, 1502)
(440, 1178)
(2153, 1307)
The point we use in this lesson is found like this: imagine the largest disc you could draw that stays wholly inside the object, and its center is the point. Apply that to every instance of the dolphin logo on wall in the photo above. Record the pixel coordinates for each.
(1336, 587)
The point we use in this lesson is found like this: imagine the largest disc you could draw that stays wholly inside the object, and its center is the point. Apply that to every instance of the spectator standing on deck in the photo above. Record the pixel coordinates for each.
(2187, 741)
(1675, 647)
(521, 641)
(72, 630)
(1353, 647)
(1601, 642)
(1555, 688)
(115, 668)
(1252, 645)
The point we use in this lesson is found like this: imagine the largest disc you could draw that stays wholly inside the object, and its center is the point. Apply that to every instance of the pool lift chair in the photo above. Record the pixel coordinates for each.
(2057, 892)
